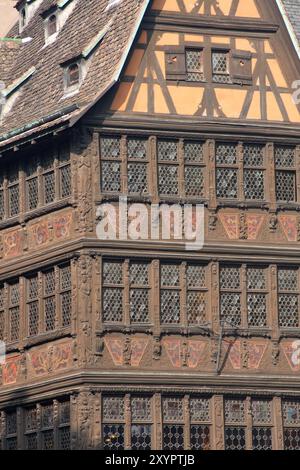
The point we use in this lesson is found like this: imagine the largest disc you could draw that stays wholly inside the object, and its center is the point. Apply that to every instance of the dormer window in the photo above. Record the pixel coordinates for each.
(73, 75)
(23, 17)
(52, 25)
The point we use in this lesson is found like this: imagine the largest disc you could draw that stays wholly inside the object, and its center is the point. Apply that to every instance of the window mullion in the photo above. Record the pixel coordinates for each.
(271, 175)
(187, 422)
(249, 423)
(277, 432)
(127, 415)
(183, 295)
(298, 172)
(126, 290)
(240, 161)
(181, 173)
(124, 163)
(244, 303)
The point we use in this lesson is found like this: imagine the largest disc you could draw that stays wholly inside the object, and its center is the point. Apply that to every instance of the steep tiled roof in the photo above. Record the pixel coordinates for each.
(43, 93)
(292, 8)
(40, 100)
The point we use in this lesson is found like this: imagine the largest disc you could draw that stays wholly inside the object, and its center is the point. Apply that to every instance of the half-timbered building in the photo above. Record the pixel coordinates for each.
(140, 344)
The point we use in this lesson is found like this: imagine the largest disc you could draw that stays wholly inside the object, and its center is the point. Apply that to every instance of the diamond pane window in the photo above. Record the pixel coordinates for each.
(230, 278)
(261, 412)
(65, 181)
(227, 183)
(291, 438)
(220, 67)
(137, 149)
(113, 273)
(113, 436)
(110, 147)
(65, 277)
(253, 155)
(193, 152)
(48, 440)
(235, 438)
(50, 311)
(286, 186)
(288, 303)
(170, 307)
(291, 423)
(141, 409)
(32, 306)
(2, 313)
(196, 308)
(168, 179)
(31, 419)
(194, 181)
(291, 412)
(254, 184)
(32, 193)
(200, 410)
(49, 282)
(137, 178)
(2, 206)
(112, 305)
(226, 154)
(167, 151)
(14, 312)
(111, 176)
(285, 156)
(200, 437)
(47, 415)
(139, 306)
(31, 441)
(64, 441)
(234, 411)
(11, 422)
(256, 279)
(287, 280)
(13, 199)
(170, 275)
(194, 65)
(141, 437)
(173, 409)
(113, 409)
(173, 437)
(257, 310)
(49, 187)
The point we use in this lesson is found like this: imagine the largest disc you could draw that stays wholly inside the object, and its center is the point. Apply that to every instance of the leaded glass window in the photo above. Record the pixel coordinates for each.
(14, 312)
(13, 191)
(254, 172)
(49, 300)
(110, 148)
(2, 201)
(168, 167)
(173, 419)
(220, 66)
(139, 292)
(235, 426)
(65, 294)
(32, 186)
(2, 312)
(227, 171)
(113, 292)
(200, 429)
(11, 430)
(137, 167)
(262, 424)
(257, 297)
(113, 423)
(194, 65)
(141, 418)
(230, 297)
(170, 294)
(32, 306)
(48, 177)
(285, 163)
(288, 297)
(31, 428)
(196, 294)
(194, 171)
(291, 424)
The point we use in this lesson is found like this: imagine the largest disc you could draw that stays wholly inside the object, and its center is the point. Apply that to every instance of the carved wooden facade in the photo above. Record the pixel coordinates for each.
(139, 345)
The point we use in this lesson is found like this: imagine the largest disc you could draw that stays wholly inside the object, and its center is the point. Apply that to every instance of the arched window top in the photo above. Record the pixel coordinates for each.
(52, 25)
(73, 75)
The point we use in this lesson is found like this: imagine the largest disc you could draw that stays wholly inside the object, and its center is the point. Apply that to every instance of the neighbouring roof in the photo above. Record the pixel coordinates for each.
(90, 27)
(292, 8)
(42, 94)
